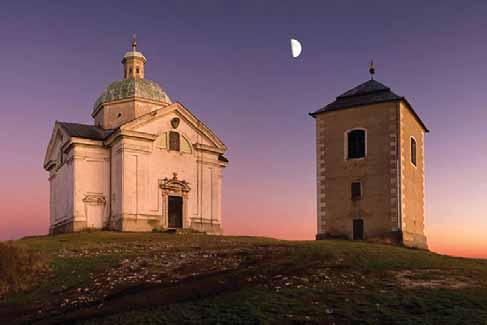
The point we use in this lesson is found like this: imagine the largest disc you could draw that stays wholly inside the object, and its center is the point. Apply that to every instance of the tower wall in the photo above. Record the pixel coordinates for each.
(377, 172)
(412, 180)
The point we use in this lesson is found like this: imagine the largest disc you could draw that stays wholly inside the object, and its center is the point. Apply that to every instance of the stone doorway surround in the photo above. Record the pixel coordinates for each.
(95, 204)
(174, 187)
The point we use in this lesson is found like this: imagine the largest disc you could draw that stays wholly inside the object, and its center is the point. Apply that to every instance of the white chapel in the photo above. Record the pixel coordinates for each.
(145, 164)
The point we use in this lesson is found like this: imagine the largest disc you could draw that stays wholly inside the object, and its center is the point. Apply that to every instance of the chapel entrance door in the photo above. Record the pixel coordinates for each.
(358, 229)
(175, 212)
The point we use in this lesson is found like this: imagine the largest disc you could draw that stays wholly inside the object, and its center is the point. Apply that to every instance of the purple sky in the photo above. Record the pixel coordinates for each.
(230, 63)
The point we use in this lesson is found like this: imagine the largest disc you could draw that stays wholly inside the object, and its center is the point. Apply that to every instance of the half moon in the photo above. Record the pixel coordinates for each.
(296, 48)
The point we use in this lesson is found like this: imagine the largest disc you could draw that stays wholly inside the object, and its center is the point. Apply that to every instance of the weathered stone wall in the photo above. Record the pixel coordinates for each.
(412, 180)
(377, 171)
(392, 203)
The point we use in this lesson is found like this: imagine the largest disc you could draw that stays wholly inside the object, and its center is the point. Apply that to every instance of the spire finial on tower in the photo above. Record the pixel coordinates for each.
(134, 42)
(371, 69)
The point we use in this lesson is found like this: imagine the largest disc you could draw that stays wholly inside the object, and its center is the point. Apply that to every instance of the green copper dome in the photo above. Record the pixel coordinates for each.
(128, 88)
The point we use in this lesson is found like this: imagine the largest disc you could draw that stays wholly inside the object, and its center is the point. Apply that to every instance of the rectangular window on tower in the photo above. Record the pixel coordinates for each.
(413, 151)
(356, 191)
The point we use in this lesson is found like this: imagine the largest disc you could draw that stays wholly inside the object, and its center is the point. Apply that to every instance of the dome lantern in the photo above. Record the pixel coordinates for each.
(133, 96)
(133, 62)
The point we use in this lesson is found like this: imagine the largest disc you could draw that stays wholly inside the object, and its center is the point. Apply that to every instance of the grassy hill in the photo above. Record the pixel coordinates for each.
(107, 277)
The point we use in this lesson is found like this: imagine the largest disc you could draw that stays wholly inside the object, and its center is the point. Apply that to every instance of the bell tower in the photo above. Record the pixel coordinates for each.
(133, 63)
(370, 167)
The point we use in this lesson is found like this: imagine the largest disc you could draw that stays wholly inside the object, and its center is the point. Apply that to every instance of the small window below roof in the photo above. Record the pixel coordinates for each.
(356, 191)
(413, 151)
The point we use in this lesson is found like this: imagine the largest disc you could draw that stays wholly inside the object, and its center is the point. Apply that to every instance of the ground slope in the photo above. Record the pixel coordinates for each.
(107, 277)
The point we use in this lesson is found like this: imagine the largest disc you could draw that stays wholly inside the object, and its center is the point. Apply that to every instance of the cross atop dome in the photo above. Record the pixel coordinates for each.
(134, 42)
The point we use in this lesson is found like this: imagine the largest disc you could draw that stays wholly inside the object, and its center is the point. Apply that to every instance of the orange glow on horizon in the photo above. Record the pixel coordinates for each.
(442, 240)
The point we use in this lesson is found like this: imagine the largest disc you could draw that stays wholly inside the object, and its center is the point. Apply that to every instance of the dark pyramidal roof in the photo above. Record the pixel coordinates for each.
(85, 131)
(368, 87)
(369, 92)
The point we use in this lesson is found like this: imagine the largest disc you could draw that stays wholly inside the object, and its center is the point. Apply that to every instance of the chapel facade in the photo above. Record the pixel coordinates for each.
(370, 167)
(146, 163)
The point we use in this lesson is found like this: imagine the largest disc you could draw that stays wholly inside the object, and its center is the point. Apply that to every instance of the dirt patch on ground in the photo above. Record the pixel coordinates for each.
(159, 268)
(160, 274)
(432, 278)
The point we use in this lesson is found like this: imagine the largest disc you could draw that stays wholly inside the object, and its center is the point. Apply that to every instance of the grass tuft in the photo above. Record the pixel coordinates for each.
(20, 268)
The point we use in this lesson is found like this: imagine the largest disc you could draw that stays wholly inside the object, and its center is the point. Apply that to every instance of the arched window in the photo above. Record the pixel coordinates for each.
(413, 151)
(174, 141)
(356, 144)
